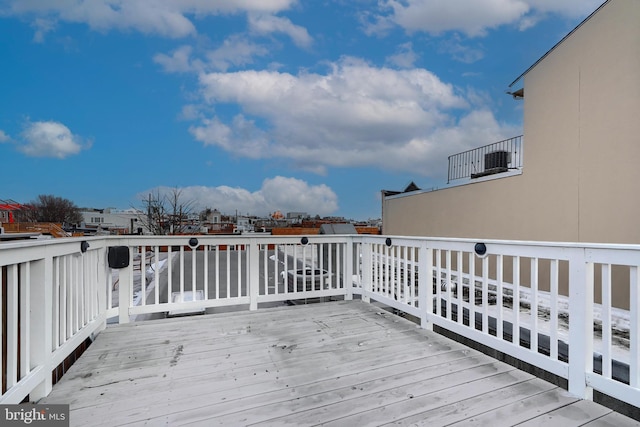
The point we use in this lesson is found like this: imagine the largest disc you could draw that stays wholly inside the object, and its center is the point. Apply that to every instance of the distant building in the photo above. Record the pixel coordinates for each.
(297, 215)
(213, 217)
(126, 221)
(193, 229)
(8, 209)
(408, 188)
(243, 225)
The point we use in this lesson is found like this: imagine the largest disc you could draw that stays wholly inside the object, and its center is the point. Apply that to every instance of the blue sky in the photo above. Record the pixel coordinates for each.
(259, 105)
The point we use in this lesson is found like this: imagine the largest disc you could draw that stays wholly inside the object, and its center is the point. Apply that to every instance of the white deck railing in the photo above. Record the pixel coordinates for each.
(537, 302)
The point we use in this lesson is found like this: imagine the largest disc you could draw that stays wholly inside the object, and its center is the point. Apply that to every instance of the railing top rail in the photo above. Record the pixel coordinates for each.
(169, 238)
(485, 146)
(315, 238)
(209, 239)
(578, 245)
(28, 243)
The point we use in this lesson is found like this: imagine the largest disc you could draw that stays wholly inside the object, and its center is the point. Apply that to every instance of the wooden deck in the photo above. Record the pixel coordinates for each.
(338, 363)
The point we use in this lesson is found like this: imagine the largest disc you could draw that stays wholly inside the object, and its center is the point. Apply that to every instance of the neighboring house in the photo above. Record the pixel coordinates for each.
(127, 220)
(243, 225)
(7, 209)
(409, 188)
(6, 215)
(213, 216)
(580, 156)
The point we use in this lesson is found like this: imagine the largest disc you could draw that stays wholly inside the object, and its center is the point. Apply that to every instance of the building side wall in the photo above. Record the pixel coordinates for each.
(581, 150)
(582, 104)
(496, 209)
(610, 125)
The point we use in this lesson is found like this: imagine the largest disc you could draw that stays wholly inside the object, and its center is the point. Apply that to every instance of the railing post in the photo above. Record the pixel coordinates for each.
(425, 285)
(348, 269)
(102, 274)
(12, 320)
(41, 277)
(125, 295)
(366, 271)
(254, 273)
(580, 323)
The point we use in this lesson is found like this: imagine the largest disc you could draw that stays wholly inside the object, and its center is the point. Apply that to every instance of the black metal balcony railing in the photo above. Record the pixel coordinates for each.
(487, 160)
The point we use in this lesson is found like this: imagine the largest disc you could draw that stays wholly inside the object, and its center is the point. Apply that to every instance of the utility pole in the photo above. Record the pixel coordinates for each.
(149, 210)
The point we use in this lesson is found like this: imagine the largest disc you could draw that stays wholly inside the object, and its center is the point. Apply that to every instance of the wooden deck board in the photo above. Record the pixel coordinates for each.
(576, 414)
(521, 410)
(340, 363)
(612, 419)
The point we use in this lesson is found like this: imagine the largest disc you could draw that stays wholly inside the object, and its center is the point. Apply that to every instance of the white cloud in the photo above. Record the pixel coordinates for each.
(158, 17)
(167, 18)
(267, 24)
(375, 24)
(4, 137)
(570, 8)
(405, 56)
(213, 132)
(472, 17)
(49, 139)
(191, 112)
(355, 115)
(278, 193)
(42, 26)
(459, 52)
(173, 18)
(290, 194)
(234, 51)
(241, 138)
(540, 9)
(178, 62)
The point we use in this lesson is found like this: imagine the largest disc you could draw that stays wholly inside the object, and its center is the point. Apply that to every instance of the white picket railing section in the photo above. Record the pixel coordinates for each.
(535, 301)
(52, 298)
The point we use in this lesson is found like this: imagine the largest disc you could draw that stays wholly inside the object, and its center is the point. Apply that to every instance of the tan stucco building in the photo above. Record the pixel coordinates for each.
(581, 150)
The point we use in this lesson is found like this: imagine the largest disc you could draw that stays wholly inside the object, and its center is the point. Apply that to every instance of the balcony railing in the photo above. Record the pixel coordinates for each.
(490, 159)
(537, 302)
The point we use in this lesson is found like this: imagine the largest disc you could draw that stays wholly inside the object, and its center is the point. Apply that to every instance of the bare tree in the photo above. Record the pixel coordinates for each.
(179, 211)
(49, 208)
(166, 214)
(154, 214)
